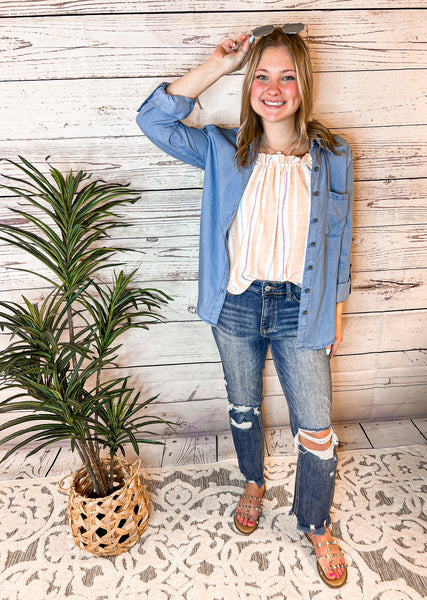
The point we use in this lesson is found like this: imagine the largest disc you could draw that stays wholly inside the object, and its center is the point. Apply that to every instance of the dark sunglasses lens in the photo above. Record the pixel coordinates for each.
(293, 27)
(263, 30)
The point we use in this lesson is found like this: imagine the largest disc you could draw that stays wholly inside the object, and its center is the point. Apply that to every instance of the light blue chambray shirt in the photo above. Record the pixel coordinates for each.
(326, 278)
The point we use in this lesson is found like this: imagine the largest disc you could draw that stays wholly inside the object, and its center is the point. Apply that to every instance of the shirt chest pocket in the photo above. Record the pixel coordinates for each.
(336, 214)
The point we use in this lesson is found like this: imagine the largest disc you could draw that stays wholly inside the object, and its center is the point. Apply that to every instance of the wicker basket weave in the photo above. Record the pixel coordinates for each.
(111, 525)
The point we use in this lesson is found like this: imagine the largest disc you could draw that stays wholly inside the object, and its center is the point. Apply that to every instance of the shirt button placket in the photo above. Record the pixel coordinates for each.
(312, 244)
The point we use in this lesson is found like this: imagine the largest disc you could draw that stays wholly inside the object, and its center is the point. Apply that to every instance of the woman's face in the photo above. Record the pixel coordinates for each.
(274, 92)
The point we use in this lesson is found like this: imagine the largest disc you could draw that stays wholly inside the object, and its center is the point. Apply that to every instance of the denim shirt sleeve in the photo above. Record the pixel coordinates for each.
(159, 117)
(344, 266)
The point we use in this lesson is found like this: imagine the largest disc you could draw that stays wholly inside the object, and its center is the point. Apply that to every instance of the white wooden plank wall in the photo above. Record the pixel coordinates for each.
(72, 75)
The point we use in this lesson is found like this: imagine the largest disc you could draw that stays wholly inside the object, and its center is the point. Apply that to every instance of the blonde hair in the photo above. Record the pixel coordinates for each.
(250, 130)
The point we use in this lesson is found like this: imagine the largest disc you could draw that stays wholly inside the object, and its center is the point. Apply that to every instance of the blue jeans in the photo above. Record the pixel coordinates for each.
(266, 314)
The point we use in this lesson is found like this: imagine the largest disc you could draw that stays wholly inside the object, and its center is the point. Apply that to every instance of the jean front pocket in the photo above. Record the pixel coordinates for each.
(296, 296)
(336, 215)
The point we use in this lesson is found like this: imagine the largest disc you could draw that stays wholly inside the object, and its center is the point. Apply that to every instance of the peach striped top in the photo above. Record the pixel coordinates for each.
(268, 236)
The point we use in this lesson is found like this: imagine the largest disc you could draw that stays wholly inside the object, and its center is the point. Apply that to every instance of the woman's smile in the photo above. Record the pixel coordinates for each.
(271, 103)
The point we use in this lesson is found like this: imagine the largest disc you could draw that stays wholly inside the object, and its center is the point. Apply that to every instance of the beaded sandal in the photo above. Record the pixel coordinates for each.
(248, 529)
(333, 583)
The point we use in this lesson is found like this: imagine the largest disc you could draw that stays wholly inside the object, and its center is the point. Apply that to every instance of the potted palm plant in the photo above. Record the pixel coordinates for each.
(57, 371)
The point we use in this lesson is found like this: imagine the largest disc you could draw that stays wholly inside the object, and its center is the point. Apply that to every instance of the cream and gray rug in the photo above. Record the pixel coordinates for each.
(190, 550)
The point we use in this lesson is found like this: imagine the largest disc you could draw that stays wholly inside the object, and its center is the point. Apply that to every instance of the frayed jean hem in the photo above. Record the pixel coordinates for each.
(260, 482)
(312, 529)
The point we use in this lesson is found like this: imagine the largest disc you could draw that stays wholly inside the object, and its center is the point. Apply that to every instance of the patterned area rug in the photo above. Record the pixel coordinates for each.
(190, 550)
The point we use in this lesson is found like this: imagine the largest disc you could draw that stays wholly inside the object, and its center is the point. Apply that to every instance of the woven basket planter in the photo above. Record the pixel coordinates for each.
(111, 525)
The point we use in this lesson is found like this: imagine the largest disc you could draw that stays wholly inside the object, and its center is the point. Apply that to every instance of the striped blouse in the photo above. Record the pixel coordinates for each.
(268, 236)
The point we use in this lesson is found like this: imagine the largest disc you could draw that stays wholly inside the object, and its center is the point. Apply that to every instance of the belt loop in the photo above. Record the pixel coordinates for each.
(288, 290)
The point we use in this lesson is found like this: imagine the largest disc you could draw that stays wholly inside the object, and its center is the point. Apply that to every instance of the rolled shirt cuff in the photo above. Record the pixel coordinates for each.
(343, 291)
(178, 106)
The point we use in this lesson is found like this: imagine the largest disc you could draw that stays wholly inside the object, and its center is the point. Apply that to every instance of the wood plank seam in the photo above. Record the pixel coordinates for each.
(53, 462)
(416, 426)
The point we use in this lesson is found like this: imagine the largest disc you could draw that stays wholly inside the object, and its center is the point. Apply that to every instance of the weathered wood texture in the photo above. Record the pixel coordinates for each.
(129, 45)
(393, 433)
(202, 449)
(72, 78)
(55, 109)
(381, 153)
(275, 8)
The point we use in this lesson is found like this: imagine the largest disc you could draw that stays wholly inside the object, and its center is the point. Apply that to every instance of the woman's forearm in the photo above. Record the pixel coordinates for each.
(228, 57)
(196, 81)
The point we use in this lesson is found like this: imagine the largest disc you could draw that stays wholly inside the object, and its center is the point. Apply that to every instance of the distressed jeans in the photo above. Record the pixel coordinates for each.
(266, 315)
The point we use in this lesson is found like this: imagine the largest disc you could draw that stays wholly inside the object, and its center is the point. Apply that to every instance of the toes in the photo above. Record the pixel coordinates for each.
(245, 520)
(335, 574)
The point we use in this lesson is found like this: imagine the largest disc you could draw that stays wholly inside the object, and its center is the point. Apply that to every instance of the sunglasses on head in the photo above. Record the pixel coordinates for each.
(288, 28)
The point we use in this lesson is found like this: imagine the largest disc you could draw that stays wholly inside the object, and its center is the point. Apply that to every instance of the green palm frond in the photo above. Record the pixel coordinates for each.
(119, 307)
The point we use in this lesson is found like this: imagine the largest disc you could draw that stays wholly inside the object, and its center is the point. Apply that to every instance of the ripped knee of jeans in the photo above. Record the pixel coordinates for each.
(242, 416)
(329, 437)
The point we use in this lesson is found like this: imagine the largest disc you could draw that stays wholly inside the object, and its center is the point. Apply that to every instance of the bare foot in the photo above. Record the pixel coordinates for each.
(330, 556)
(248, 510)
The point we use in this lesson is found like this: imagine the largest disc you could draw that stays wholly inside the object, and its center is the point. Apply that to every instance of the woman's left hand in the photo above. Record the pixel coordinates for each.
(338, 336)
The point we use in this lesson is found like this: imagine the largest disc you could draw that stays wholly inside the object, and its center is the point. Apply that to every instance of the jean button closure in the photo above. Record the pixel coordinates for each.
(267, 288)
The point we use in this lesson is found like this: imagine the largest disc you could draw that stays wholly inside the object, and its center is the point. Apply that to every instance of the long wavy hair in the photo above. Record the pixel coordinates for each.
(251, 129)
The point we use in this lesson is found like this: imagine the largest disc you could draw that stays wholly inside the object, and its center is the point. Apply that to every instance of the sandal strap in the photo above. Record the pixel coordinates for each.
(325, 544)
(328, 554)
(333, 567)
(250, 507)
(245, 509)
(252, 498)
(254, 519)
(249, 516)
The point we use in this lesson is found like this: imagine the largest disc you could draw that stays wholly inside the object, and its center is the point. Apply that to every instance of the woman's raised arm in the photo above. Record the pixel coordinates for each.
(228, 57)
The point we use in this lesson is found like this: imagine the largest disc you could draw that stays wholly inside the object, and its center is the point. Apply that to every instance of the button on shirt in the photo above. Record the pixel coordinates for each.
(327, 261)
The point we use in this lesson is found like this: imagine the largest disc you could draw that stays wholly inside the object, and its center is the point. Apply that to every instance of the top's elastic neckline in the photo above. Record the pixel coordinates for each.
(265, 157)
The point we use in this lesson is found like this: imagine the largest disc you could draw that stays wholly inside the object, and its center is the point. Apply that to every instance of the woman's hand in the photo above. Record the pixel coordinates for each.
(229, 56)
(234, 54)
(338, 336)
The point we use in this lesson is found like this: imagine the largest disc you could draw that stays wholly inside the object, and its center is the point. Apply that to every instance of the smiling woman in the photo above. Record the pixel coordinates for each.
(269, 276)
